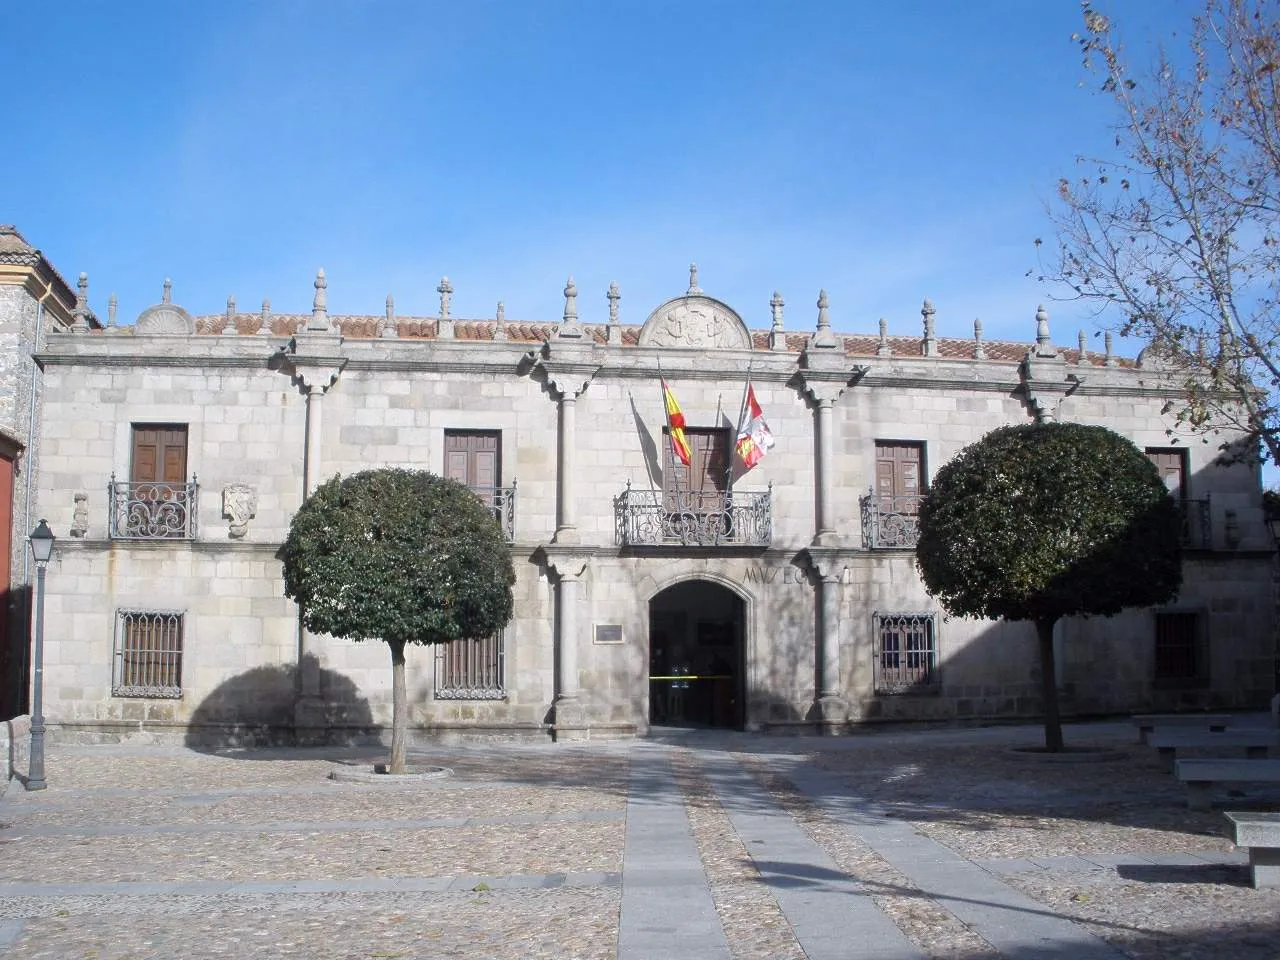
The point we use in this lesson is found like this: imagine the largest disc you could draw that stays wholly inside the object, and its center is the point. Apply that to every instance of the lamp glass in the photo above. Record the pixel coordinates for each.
(42, 542)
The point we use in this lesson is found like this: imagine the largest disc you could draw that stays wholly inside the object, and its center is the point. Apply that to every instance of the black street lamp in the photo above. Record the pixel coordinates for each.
(41, 541)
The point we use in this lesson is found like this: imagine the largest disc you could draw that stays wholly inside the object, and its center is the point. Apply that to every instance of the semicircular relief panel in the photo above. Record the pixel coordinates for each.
(696, 322)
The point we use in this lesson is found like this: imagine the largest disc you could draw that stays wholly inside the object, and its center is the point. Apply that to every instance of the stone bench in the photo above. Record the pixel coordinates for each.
(1200, 776)
(1147, 722)
(1254, 742)
(1260, 832)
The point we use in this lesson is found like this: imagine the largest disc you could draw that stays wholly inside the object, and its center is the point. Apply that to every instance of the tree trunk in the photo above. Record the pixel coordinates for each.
(1049, 687)
(399, 709)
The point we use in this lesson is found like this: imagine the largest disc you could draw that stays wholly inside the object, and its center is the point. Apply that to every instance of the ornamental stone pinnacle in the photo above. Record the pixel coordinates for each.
(613, 296)
(570, 329)
(229, 325)
(979, 349)
(777, 335)
(1110, 359)
(112, 305)
(166, 295)
(500, 322)
(1044, 343)
(884, 350)
(320, 304)
(445, 289)
(389, 328)
(694, 289)
(823, 339)
(81, 312)
(1084, 350)
(930, 346)
(264, 321)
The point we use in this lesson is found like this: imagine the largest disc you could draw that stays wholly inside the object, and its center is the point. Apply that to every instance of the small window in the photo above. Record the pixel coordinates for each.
(148, 654)
(471, 669)
(1180, 656)
(906, 653)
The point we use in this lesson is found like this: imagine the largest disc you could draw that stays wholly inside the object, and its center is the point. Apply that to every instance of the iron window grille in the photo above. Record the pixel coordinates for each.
(153, 510)
(502, 501)
(1180, 657)
(472, 669)
(148, 654)
(906, 653)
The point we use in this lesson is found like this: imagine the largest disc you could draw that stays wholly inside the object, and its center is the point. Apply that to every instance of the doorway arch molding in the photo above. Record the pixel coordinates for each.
(651, 586)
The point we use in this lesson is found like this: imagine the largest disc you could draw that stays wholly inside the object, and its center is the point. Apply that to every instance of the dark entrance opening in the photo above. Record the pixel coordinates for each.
(696, 657)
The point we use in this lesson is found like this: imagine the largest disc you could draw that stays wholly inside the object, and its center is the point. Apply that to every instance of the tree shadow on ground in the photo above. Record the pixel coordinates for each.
(256, 709)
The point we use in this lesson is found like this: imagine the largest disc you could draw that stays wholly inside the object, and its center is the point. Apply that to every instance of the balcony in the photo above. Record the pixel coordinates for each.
(153, 511)
(890, 523)
(694, 519)
(502, 501)
(1197, 531)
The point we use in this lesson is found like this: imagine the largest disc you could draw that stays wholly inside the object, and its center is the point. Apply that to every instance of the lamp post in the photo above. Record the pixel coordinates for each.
(41, 541)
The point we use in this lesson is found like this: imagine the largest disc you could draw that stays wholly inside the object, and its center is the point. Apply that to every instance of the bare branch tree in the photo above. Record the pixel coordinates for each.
(1177, 238)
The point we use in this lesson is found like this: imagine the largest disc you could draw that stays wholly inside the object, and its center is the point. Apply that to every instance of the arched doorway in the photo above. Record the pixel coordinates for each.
(697, 663)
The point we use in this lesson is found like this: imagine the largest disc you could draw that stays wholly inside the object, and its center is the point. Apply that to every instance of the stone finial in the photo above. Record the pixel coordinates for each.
(1083, 340)
(167, 295)
(388, 329)
(1044, 343)
(613, 296)
(264, 322)
(570, 302)
(979, 348)
(445, 289)
(81, 312)
(883, 349)
(693, 281)
(229, 326)
(500, 322)
(823, 339)
(929, 347)
(777, 335)
(320, 303)
(1109, 360)
(112, 305)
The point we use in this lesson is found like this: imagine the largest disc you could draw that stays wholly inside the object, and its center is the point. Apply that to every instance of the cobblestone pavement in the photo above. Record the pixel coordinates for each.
(924, 843)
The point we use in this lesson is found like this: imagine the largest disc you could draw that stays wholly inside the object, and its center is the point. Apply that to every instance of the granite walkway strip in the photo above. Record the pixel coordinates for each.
(831, 913)
(667, 909)
(1013, 923)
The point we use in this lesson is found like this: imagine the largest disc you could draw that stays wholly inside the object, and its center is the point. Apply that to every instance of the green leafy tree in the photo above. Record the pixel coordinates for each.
(1043, 521)
(1176, 236)
(401, 556)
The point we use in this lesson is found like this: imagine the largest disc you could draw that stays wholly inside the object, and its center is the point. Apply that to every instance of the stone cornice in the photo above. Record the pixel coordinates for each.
(41, 281)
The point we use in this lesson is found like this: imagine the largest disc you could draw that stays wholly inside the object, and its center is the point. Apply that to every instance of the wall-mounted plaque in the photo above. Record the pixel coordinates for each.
(608, 633)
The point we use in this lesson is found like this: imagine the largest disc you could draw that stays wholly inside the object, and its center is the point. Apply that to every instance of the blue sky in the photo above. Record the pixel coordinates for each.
(887, 152)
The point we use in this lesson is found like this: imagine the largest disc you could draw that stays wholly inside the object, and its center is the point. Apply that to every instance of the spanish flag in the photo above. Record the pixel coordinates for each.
(675, 425)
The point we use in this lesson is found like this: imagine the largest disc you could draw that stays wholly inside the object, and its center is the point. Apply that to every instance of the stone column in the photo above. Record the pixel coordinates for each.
(315, 364)
(567, 381)
(824, 395)
(830, 708)
(569, 713)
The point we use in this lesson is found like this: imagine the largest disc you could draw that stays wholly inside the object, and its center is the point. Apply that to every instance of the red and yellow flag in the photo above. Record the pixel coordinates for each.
(675, 425)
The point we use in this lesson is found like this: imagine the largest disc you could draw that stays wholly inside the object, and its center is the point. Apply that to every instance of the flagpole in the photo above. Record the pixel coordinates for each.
(741, 410)
(666, 413)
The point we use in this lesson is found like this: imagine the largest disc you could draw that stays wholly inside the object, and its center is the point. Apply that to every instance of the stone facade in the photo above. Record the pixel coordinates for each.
(273, 404)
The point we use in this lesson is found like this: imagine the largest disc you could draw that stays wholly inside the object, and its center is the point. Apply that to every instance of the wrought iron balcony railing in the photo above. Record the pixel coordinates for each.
(890, 522)
(1197, 531)
(502, 501)
(694, 519)
(153, 511)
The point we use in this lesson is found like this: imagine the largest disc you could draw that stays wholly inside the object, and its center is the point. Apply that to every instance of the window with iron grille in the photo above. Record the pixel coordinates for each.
(1180, 657)
(471, 669)
(148, 654)
(906, 653)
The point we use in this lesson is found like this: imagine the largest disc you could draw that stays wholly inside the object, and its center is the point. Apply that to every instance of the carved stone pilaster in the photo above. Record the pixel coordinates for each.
(569, 713)
(830, 709)
(567, 379)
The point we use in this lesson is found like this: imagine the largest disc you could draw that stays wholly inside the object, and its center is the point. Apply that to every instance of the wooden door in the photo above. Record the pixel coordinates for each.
(899, 476)
(700, 487)
(159, 454)
(474, 459)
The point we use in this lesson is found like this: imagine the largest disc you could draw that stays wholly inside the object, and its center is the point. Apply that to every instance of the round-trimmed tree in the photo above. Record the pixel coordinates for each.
(1043, 521)
(402, 556)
